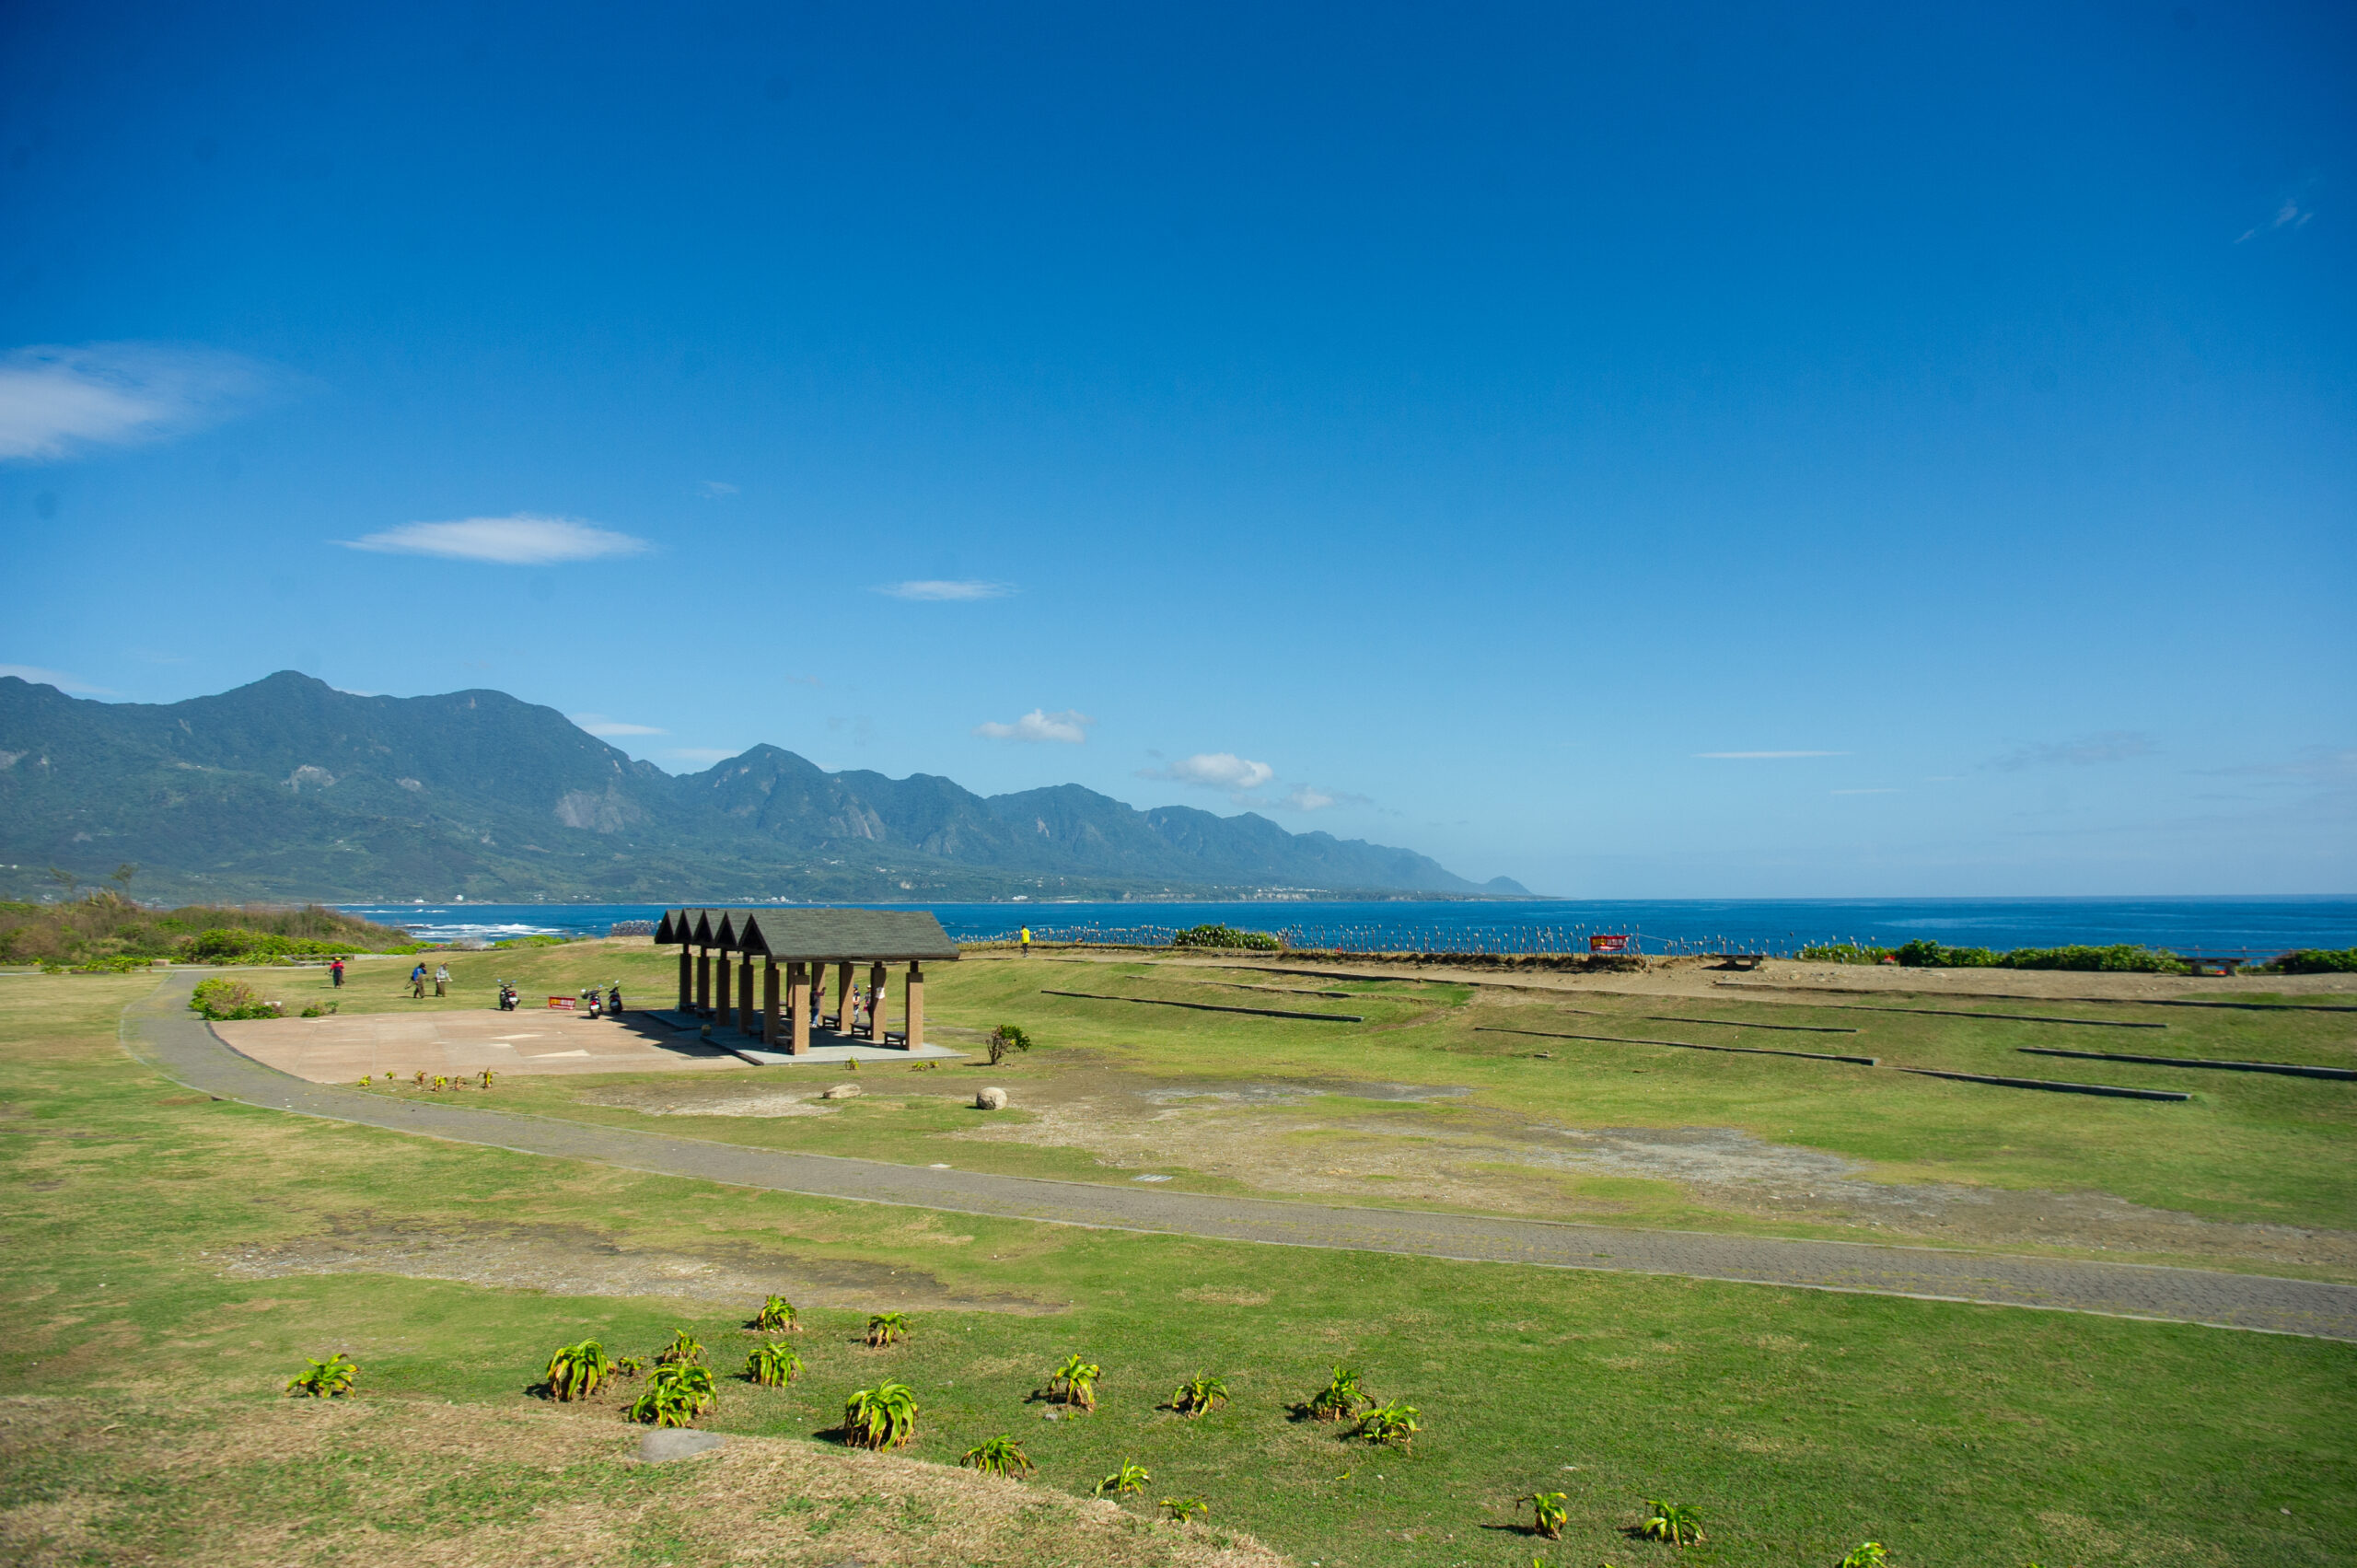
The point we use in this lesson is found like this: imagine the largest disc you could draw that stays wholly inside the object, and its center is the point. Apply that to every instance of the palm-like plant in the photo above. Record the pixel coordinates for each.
(887, 1328)
(576, 1371)
(1198, 1395)
(773, 1366)
(1393, 1424)
(1870, 1554)
(329, 1380)
(881, 1417)
(1341, 1399)
(1129, 1480)
(1672, 1522)
(629, 1366)
(676, 1394)
(1075, 1383)
(1551, 1514)
(1000, 1456)
(1181, 1509)
(682, 1351)
(1004, 1038)
(777, 1316)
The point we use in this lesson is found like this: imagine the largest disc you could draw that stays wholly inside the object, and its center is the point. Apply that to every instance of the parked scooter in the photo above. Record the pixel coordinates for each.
(508, 997)
(614, 1000)
(592, 1001)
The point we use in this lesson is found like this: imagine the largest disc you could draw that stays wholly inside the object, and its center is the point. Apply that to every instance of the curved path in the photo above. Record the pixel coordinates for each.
(162, 1030)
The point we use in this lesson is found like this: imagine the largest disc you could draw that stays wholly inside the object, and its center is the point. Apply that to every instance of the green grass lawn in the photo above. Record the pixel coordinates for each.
(1797, 1422)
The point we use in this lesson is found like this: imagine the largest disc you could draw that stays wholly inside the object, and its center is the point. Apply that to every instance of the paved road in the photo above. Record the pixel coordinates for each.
(163, 1030)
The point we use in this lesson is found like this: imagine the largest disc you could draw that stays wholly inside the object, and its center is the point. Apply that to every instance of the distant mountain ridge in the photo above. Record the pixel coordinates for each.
(290, 788)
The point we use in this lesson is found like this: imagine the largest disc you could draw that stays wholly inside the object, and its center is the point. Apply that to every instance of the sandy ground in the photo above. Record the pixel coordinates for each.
(343, 1048)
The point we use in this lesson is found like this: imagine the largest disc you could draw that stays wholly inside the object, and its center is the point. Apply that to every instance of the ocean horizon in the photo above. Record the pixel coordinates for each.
(2249, 927)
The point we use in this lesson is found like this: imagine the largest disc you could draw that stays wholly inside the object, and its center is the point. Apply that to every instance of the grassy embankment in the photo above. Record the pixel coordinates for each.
(144, 1415)
(2248, 1148)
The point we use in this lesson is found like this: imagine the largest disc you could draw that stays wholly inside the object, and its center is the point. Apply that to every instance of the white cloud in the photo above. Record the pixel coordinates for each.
(706, 754)
(1215, 770)
(1069, 726)
(717, 489)
(598, 724)
(2291, 214)
(64, 682)
(1763, 756)
(934, 591)
(526, 538)
(55, 401)
(2111, 746)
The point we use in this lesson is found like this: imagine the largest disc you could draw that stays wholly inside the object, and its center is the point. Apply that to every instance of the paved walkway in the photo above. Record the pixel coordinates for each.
(163, 1030)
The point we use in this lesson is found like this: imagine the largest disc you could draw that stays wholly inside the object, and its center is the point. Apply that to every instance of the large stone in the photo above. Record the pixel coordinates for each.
(841, 1091)
(677, 1443)
(991, 1100)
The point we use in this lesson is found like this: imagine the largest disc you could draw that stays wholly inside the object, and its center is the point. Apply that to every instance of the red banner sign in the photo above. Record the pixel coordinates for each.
(563, 1001)
(1607, 943)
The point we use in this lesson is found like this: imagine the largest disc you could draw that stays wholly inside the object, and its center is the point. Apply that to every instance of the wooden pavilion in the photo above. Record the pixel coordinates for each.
(802, 942)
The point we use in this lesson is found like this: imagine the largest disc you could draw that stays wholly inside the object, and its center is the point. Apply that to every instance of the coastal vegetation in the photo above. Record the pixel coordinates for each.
(1227, 937)
(106, 929)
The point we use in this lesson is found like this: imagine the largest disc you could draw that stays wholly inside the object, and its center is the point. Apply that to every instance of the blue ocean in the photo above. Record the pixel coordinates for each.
(2251, 927)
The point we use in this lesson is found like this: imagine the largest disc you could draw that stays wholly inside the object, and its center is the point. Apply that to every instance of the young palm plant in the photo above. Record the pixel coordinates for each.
(1672, 1522)
(1341, 1399)
(773, 1365)
(887, 1328)
(681, 1352)
(1870, 1554)
(1000, 1456)
(881, 1417)
(676, 1394)
(1393, 1424)
(329, 1380)
(1075, 1383)
(777, 1316)
(1198, 1395)
(1551, 1514)
(1178, 1510)
(576, 1371)
(629, 1366)
(1128, 1480)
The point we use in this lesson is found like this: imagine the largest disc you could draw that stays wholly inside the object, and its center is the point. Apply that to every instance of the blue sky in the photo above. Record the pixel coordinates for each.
(1688, 453)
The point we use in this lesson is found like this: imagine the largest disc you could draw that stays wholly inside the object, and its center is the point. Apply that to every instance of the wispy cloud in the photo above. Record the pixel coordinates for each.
(598, 724)
(62, 682)
(717, 488)
(55, 401)
(524, 539)
(704, 754)
(936, 590)
(2111, 746)
(1309, 797)
(1215, 770)
(2291, 214)
(1069, 726)
(1762, 756)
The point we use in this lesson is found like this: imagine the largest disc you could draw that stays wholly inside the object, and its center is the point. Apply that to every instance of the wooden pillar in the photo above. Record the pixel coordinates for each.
(768, 1002)
(687, 978)
(704, 980)
(747, 1008)
(916, 1004)
(797, 990)
(843, 997)
(875, 977)
(720, 987)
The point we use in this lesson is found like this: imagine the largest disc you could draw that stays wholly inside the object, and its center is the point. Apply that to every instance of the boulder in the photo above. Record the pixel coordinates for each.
(991, 1100)
(841, 1091)
(677, 1443)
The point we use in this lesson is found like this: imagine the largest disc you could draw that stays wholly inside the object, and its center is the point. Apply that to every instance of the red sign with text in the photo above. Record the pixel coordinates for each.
(1607, 943)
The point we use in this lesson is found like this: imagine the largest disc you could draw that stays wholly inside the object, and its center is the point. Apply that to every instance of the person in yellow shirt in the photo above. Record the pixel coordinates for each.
(1026, 938)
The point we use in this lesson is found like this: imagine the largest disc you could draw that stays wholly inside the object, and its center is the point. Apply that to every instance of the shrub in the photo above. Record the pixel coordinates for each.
(1000, 1456)
(1341, 1399)
(1549, 1514)
(887, 1328)
(1126, 1481)
(777, 1316)
(682, 1351)
(2120, 957)
(675, 1396)
(576, 1371)
(1004, 1038)
(1870, 1554)
(773, 1366)
(1227, 937)
(1393, 1424)
(1075, 1383)
(318, 1009)
(1198, 1395)
(881, 1417)
(2315, 960)
(329, 1380)
(221, 1000)
(1672, 1522)
(1178, 1510)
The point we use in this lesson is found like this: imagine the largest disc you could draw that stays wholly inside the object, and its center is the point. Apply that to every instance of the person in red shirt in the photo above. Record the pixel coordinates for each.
(336, 970)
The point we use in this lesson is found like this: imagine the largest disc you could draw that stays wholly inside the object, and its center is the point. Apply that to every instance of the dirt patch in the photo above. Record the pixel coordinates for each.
(692, 1098)
(572, 1260)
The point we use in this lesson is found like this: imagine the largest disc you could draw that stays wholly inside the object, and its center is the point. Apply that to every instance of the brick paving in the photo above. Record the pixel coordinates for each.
(164, 1031)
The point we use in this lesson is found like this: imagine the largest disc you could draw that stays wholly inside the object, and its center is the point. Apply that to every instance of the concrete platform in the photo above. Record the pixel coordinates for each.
(345, 1047)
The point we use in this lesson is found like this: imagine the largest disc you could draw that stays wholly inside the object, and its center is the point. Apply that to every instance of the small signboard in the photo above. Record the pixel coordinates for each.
(563, 1001)
(1607, 943)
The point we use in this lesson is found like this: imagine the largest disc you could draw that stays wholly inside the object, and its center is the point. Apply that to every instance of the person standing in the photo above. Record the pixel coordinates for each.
(417, 980)
(335, 971)
(441, 980)
(1027, 940)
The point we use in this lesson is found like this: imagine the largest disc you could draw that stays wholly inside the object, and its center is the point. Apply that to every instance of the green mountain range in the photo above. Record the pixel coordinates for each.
(291, 789)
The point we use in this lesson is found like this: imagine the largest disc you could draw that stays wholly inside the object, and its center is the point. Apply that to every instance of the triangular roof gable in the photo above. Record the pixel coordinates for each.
(889, 935)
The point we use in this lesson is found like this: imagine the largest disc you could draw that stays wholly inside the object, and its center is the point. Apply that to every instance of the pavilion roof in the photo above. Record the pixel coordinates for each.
(807, 933)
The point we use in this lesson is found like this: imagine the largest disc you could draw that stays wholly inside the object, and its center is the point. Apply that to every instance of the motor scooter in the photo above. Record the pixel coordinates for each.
(614, 1000)
(508, 997)
(592, 1001)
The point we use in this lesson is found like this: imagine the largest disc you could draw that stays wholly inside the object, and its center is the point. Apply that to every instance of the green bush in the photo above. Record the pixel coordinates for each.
(1226, 936)
(232, 945)
(2120, 957)
(2315, 960)
(222, 999)
(1844, 953)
